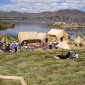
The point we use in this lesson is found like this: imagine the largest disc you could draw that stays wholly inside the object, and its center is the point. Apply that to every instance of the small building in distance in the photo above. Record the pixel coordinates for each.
(57, 34)
(31, 37)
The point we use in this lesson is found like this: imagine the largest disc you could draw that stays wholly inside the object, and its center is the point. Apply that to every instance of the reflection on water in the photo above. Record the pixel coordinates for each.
(20, 27)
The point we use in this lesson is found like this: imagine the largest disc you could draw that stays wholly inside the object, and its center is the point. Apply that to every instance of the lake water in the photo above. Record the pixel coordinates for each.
(38, 27)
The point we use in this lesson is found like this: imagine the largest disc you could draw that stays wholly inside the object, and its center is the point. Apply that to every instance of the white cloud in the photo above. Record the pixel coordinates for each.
(42, 5)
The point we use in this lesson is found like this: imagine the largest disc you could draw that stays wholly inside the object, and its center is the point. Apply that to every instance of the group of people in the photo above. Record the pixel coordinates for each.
(49, 45)
(43, 45)
(13, 47)
(71, 55)
(16, 47)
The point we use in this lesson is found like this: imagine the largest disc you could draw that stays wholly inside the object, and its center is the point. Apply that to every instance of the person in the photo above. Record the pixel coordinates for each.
(55, 43)
(17, 46)
(75, 54)
(14, 46)
(68, 54)
(50, 45)
(7, 48)
(44, 46)
(25, 47)
(72, 55)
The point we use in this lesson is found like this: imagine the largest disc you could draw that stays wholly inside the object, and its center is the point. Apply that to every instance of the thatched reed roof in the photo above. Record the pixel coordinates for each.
(79, 34)
(83, 42)
(78, 40)
(30, 36)
(58, 33)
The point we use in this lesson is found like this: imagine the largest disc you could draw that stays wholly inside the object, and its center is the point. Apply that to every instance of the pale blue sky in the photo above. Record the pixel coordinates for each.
(40, 5)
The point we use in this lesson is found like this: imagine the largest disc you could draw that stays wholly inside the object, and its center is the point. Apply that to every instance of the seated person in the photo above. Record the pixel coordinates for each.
(68, 54)
(7, 48)
(71, 55)
(75, 54)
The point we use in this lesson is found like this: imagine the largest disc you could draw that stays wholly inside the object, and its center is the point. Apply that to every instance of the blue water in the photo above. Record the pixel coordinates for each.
(38, 27)
(73, 33)
(20, 27)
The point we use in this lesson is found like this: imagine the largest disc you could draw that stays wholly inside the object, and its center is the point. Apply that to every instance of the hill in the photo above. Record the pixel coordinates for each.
(49, 17)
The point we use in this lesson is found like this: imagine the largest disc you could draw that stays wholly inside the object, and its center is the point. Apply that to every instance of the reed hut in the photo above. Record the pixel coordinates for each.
(80, 34)
(78, 41)
(83, 42)
(31, 37)
(57, 34)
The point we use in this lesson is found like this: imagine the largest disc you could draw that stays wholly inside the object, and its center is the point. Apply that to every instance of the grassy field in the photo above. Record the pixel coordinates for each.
(41, 68)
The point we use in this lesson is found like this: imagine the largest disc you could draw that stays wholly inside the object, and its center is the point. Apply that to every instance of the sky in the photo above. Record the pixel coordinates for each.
(36, 6)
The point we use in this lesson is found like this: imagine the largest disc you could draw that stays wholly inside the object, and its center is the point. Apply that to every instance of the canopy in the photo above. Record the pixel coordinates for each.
(63, 45)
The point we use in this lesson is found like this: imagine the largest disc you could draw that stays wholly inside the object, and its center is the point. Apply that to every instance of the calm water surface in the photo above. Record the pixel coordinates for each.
(38, 27)
(20, 27)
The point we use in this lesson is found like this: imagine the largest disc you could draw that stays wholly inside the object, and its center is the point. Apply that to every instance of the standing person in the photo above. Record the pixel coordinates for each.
(55, 43)
(13, 46)
(50, 45)
(16, 46)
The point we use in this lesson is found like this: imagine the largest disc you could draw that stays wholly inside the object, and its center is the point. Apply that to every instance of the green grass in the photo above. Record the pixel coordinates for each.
(41, 68)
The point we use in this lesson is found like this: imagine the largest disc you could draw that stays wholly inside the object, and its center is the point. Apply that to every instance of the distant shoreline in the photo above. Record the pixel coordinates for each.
(12, 23)
(5, 25)
(69, 26)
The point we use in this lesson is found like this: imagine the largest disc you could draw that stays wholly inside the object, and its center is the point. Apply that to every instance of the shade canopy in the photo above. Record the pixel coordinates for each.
(63, 45)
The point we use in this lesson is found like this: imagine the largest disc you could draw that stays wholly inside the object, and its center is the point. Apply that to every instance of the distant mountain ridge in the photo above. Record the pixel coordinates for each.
(48, 17)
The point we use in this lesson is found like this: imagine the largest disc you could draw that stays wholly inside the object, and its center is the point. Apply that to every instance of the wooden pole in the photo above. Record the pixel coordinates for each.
(21, 79)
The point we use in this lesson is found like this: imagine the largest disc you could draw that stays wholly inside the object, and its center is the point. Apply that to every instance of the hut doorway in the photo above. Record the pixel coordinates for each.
(46, 40)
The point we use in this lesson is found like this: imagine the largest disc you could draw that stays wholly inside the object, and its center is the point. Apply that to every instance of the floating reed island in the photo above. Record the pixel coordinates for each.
(65, 25)
(5, 25)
